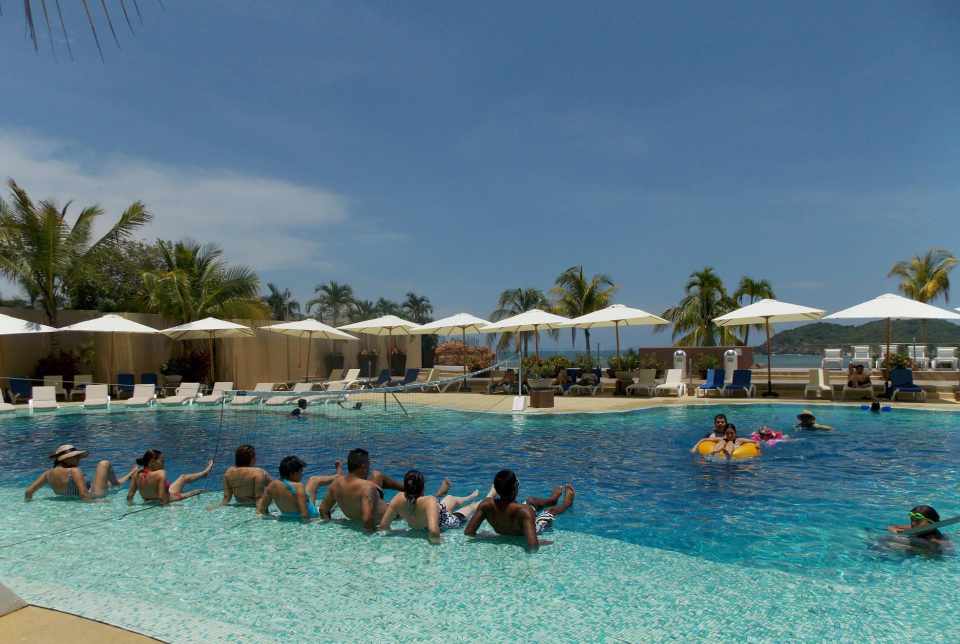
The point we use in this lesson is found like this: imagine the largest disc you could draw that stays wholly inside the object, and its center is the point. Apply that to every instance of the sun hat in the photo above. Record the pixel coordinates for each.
(806, 412)
(64, 452)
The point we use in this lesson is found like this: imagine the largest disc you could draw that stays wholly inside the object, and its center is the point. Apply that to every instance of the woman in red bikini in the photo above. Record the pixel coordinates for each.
(151, 480)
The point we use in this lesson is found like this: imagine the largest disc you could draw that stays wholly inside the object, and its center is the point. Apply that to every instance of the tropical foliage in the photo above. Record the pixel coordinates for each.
(705, 298)
(576, 295)
(194, 282)
(282, 305)
(925, 277)
(749, 291)
(332, 302)
(512, 302)
(42, 251)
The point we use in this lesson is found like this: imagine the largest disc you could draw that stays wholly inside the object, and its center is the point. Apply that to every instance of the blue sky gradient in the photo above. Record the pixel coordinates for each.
(458, 150)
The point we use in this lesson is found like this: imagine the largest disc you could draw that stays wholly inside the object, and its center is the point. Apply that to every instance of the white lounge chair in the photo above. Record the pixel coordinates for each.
(946, 356)
(143, 396)
(862, 392)
(57, 383)
(644, 380)
(292, 395)
(673, 383)
(832, 358)
(579, 390)
(80, 381)
(216, 395)
(44, 398)
(861, 356)
(427, 379)
(819, 384)
(96, 396)
(186, 393)
(918, 354)
(348, 380)
(5, 406)
(883, 354)
(335, 374)
(253, 397)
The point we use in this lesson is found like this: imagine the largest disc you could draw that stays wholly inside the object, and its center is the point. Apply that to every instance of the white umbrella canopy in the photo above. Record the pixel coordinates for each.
(615, 315)
(383, 325)
(310, 329)
(208, 328)
(112, 324)
(461, 323)
(533, 320)
(10, 325)
(765, 312)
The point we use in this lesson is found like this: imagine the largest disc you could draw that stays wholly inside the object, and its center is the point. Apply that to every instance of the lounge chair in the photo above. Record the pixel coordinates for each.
(216, 395)
(591, 389)
(945, 356)
(832, 358)
(149, 378)
(19, 389)
(819, 384)
(673, 383)
(861, 356)
(299, 390)
(80, 381)
(866, 391)
(918, 355)
(44, 398)
(714, 382)
(6, 407)
(409, 377)
(96, 396)
(349, 380)
(125, 382)
(186, 393)
(901, 382)
(143, 396)
(383, 379)
(426, 379)
(883, 354)
(335, 374)
(645, 380)
(742, 381)
(57, 383)
(253, 397)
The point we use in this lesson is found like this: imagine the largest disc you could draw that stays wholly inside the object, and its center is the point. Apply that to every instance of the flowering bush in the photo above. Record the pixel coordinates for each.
(455, 353)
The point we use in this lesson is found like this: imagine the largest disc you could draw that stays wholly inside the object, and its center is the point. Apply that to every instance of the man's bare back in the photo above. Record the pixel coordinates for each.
(358, 498)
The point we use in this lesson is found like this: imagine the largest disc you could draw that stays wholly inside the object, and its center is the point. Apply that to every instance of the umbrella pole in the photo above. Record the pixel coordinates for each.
(886, 371)
(110, 364)
(536, 341)
(616, 326)
(770, 393)
(212, 368)
(306, 377)
(463, 332)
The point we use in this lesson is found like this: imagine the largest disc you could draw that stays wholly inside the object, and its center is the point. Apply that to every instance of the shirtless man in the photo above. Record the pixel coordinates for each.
(359, 498)
(508, 517)
(428, 512)
(378, 478)
(244, 481)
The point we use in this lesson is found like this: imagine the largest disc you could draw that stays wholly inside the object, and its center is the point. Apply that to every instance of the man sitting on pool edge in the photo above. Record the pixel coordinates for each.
(507, 517)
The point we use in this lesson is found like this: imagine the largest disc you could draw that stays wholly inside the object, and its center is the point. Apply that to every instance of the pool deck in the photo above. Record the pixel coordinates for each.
(41, 625)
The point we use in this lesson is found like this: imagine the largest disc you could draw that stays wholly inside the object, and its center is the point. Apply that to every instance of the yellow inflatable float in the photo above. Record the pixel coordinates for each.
(746, 450)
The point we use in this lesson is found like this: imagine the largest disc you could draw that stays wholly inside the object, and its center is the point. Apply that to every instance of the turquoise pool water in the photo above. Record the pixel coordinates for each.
(660, 545)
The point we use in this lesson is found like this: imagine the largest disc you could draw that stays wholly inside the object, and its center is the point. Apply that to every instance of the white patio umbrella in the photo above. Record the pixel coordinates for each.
(310, 329)
(615, 315)
(10, 325)
(765, 312)
(112, 324)
(460, 323)
(385, 325)
(209, 329)
(533, 320)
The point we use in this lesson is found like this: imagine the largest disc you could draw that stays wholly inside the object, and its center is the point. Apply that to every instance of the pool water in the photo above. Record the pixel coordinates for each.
(659, 545)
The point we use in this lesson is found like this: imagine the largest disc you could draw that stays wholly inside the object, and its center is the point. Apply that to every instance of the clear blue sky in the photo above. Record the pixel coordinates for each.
(460, 149)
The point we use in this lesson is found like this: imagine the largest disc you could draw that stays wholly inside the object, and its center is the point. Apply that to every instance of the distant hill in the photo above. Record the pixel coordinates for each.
(812, 338)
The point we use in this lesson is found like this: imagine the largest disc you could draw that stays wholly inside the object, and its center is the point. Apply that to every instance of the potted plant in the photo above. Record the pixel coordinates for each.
(398, 362)
(538, 373)
(705, 361)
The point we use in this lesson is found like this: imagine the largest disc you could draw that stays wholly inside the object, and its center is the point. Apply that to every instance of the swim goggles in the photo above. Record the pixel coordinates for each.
(916, 516)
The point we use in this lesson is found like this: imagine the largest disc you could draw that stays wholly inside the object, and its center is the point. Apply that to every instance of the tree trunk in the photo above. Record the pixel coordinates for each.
(586, 339)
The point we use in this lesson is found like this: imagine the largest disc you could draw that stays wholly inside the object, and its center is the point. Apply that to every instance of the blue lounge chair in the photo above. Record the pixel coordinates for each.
(20, 390)
(409, 377)
(742, 380)
(714, 382)
(149, 379)
(901, 381)
(125, 382)
(382, 379)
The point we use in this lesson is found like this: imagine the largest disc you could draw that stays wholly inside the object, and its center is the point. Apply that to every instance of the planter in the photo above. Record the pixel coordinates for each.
(398, 364)
(367, 364)
(540, 383)
(333, 361)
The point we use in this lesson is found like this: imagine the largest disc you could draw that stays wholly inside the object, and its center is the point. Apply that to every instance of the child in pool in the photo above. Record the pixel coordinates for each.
(920, 516)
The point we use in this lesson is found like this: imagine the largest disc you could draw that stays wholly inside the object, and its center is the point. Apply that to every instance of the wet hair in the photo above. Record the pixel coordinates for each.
(730, 428)
(302, 403)
(244, 456)
(931, 515)
(413, 484)
(859, 368)
(719, 416)
(148, 456)
(357, 458)
(506, 485)
(291, 465)
(875, 405)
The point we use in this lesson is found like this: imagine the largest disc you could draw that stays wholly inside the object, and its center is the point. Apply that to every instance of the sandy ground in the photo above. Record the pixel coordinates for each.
(40, 625)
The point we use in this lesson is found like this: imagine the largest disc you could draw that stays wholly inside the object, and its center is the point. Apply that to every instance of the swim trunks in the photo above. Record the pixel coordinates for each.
(544, 521)
(450, 520)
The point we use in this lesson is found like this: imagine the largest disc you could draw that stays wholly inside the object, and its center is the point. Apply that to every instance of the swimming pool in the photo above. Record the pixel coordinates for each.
(659, 545)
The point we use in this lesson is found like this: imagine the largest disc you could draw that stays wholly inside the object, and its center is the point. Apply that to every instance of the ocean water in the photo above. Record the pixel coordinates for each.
(660, 545)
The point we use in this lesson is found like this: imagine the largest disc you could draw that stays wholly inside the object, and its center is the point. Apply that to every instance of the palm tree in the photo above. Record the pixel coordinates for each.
(512, 302)
(41, 251)
(418, 308)
(282, 305)
(752, 290)
(333, 298)
(194, 282)
(705, 298)
(383, 306)
(925, 278)
(361, 310)
(575, 296)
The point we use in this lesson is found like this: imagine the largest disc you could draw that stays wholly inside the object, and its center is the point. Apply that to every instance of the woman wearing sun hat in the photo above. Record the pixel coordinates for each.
(66, 479)
(808, 421)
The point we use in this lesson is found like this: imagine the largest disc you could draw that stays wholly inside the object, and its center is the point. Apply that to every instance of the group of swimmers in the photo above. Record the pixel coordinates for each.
(359, 493)
(725, 440)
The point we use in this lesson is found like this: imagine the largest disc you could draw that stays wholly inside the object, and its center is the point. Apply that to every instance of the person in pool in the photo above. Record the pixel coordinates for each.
(290, 495)
(920, 516)
(300, 409)
(428, 512)
(244, 481)
(151, 480)
(729, 442)
(378, 478)
(66, 478)
(359, 498)
(529, 519)
(719, 428)
(806, 420)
